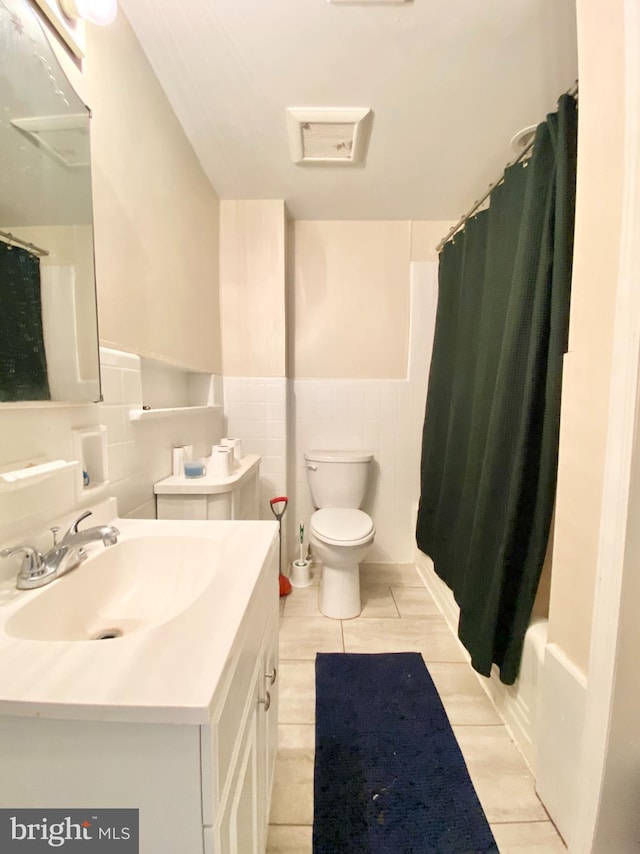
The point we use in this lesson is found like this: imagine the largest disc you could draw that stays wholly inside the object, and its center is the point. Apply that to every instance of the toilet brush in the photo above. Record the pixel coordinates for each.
(283, 581)
(300, 576)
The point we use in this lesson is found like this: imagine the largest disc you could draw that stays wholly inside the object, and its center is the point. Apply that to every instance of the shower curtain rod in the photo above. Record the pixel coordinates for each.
(573, 91)
(12, 239)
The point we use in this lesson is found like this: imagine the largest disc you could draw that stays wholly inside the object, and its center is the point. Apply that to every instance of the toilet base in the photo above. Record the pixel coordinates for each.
(340, 592)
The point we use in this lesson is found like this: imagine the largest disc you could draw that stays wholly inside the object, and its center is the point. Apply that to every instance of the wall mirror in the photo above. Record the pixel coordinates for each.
(48, 315)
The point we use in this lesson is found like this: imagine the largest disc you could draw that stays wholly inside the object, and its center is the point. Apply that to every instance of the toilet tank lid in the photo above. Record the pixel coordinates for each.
(325, 456)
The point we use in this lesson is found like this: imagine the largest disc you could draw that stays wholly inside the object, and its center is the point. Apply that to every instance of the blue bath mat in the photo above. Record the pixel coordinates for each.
(389, 776)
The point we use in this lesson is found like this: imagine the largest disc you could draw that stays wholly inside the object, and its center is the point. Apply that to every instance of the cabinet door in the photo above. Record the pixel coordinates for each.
(238, 829)
(268, 724)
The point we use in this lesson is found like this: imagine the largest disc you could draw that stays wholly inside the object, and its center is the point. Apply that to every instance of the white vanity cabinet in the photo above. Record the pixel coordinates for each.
(236, 496)
(199, 770)
(239, 745)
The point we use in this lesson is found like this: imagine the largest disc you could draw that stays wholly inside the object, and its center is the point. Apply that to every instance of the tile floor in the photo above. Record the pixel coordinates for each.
(398, 615)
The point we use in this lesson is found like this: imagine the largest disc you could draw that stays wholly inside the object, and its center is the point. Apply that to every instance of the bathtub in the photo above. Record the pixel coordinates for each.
(518, 705)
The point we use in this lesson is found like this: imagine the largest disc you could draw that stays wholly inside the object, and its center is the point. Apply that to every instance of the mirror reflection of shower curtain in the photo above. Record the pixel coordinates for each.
(490, 440)
(59, 320)
(23, 363)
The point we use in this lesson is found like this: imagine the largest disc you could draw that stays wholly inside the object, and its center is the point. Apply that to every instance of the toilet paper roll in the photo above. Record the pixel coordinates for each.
(220, 461)
(236, 445)
(177, 459)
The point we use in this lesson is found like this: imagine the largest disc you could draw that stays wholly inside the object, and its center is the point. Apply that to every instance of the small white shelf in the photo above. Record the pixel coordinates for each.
(29, 474)
(150, 414)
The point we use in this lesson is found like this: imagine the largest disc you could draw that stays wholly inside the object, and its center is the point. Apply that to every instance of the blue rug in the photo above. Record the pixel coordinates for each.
(389, 776)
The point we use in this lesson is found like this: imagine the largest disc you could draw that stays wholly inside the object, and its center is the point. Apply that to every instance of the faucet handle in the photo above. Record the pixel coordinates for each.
(32, 562)
(73, 528)
(54, 532)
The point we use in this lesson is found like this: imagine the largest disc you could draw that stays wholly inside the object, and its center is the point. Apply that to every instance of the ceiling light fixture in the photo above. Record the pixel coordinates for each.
(101, 12)
(523, 138)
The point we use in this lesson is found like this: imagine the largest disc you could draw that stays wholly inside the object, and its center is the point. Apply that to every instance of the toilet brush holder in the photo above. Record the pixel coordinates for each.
(301, 573)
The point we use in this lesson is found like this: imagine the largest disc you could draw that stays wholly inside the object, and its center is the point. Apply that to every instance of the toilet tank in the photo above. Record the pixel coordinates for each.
(337, 478)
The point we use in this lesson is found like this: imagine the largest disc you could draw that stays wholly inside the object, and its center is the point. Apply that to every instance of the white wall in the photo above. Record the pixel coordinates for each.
(349, 300)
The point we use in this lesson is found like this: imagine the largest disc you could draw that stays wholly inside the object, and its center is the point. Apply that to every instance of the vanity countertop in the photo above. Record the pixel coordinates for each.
(162, 673)
(209, 484)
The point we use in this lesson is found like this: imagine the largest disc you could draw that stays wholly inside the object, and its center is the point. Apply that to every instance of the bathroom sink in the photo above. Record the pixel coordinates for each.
(138, 583)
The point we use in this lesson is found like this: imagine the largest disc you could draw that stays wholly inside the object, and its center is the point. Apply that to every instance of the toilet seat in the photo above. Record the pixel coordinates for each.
(342, 526)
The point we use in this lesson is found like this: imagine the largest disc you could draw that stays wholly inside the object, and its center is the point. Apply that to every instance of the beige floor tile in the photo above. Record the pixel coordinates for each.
(292, 798)
(500, 775)
(285, 839)
(303, 637)
(429, 636)
(377, 601)
(412, 602)
(297, 698)
(462, 696)
(538, 837)
(302, 602)
(393, 574)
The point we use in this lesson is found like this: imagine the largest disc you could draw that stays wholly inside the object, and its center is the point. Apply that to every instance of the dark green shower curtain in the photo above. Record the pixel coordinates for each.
(23, 364)
(490, 439)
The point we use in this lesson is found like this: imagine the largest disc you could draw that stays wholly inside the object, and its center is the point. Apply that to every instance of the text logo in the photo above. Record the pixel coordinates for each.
(28, 831)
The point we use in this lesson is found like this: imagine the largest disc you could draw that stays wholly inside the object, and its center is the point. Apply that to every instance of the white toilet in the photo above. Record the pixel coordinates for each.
(340, 533)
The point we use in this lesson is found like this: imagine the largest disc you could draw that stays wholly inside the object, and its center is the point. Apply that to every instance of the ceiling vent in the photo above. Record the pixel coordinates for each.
(65, 138)
(329, 135)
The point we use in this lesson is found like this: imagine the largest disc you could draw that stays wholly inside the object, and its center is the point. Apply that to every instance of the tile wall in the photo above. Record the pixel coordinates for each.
(383, 416)
(138, 453)
(279, 419)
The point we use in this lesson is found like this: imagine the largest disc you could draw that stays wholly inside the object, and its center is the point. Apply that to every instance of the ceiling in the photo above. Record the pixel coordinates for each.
(449, 83)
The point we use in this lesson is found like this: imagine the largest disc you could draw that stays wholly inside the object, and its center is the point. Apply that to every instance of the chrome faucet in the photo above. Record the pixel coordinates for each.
(38, 569)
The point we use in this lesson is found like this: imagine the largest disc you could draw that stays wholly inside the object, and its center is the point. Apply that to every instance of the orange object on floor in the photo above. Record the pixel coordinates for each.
(285, 585)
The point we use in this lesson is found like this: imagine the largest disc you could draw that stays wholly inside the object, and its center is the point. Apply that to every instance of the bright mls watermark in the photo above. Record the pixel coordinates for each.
(101, 830)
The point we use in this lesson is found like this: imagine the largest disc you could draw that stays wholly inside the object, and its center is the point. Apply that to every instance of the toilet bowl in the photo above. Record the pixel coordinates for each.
(340, 538)
(340, 533)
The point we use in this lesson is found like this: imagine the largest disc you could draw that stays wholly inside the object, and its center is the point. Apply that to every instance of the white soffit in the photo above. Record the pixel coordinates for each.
(369, 2)
(336, 135)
